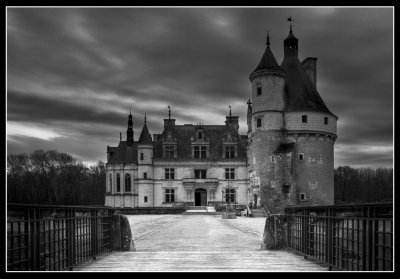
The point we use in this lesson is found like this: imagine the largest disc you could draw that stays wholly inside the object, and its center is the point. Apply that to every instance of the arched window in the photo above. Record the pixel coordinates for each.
(127, 182)
(118, 183)
(110, 187)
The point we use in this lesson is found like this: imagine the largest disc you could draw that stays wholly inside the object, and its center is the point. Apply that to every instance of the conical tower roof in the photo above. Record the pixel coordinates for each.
(145, 137)
(300, 92)
(268, 61)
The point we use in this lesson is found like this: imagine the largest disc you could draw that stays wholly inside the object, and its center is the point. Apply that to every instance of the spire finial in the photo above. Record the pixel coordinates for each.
(290, 20)
(268, 38)
(249, 102)
(169, 112)
(145, 120)
(230, 111)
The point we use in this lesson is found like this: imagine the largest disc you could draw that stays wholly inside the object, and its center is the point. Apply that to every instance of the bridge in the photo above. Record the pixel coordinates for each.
(348, 237)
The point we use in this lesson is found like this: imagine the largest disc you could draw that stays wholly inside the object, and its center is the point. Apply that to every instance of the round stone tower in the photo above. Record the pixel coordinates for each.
(266, 124)
(310, 127)
(291, 133)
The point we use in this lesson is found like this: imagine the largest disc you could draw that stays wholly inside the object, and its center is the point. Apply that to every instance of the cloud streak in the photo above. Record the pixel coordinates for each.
(77, 71)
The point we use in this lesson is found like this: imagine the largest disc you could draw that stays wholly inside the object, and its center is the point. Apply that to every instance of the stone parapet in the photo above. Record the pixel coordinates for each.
(275, 232)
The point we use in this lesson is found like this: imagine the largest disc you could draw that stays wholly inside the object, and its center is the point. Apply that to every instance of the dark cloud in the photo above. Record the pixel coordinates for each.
(78, 71)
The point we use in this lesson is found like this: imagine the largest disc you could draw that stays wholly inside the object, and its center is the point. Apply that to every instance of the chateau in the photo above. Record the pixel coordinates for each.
(285, 159)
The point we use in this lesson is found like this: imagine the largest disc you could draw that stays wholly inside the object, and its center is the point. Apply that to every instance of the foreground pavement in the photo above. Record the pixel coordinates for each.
(198, 243)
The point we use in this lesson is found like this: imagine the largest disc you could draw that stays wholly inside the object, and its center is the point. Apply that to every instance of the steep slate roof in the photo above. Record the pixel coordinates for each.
(300, 92)
(145, 137)
(215, 133)
(123, 154)
(268, 62)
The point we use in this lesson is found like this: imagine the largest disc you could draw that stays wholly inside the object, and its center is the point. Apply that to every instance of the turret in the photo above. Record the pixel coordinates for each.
(129, 131)
(290, 44)
(268, 89)
(145, 167)
(145, 137)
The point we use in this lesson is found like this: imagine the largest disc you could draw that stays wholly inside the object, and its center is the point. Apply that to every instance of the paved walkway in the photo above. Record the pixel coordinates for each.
(199, 243)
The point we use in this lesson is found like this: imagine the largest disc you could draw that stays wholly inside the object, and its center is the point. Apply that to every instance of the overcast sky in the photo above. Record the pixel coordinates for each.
(73, 74)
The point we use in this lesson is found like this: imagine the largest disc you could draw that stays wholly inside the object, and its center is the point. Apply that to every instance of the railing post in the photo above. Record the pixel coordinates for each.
(94, 233)
(34, 240)
(305, 235)
(368, 244)
(70, 238)
(36, 236)
(329, 237)
(288, 227)
(373, 240)
(364, 243)
(26, 238)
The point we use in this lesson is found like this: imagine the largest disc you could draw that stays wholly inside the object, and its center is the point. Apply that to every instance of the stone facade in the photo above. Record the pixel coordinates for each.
(185, 164)
(285, 159)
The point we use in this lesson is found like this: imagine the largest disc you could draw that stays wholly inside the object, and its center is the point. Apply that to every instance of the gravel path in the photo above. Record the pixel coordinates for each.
(145, 225)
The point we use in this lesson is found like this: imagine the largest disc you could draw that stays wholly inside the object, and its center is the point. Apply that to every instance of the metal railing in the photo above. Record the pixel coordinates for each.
(44, 237)
(345, 237)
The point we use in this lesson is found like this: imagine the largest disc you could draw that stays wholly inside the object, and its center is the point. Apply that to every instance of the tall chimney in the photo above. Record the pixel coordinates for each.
(310, 67)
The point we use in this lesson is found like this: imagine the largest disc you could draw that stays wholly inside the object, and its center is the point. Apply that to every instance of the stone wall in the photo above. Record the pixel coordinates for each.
(272, 97)
(269, 121)
(275, 232)
(315, 122)
(262, 167)
(314, 174)
(121, 234)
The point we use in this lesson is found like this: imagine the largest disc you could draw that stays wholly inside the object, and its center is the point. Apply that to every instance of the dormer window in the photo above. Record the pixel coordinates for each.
(200, 152)
(169, 151)
(200, 135)
(229, 152)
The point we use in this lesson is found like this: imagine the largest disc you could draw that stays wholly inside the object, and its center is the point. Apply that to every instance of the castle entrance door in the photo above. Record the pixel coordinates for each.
(200, 197)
